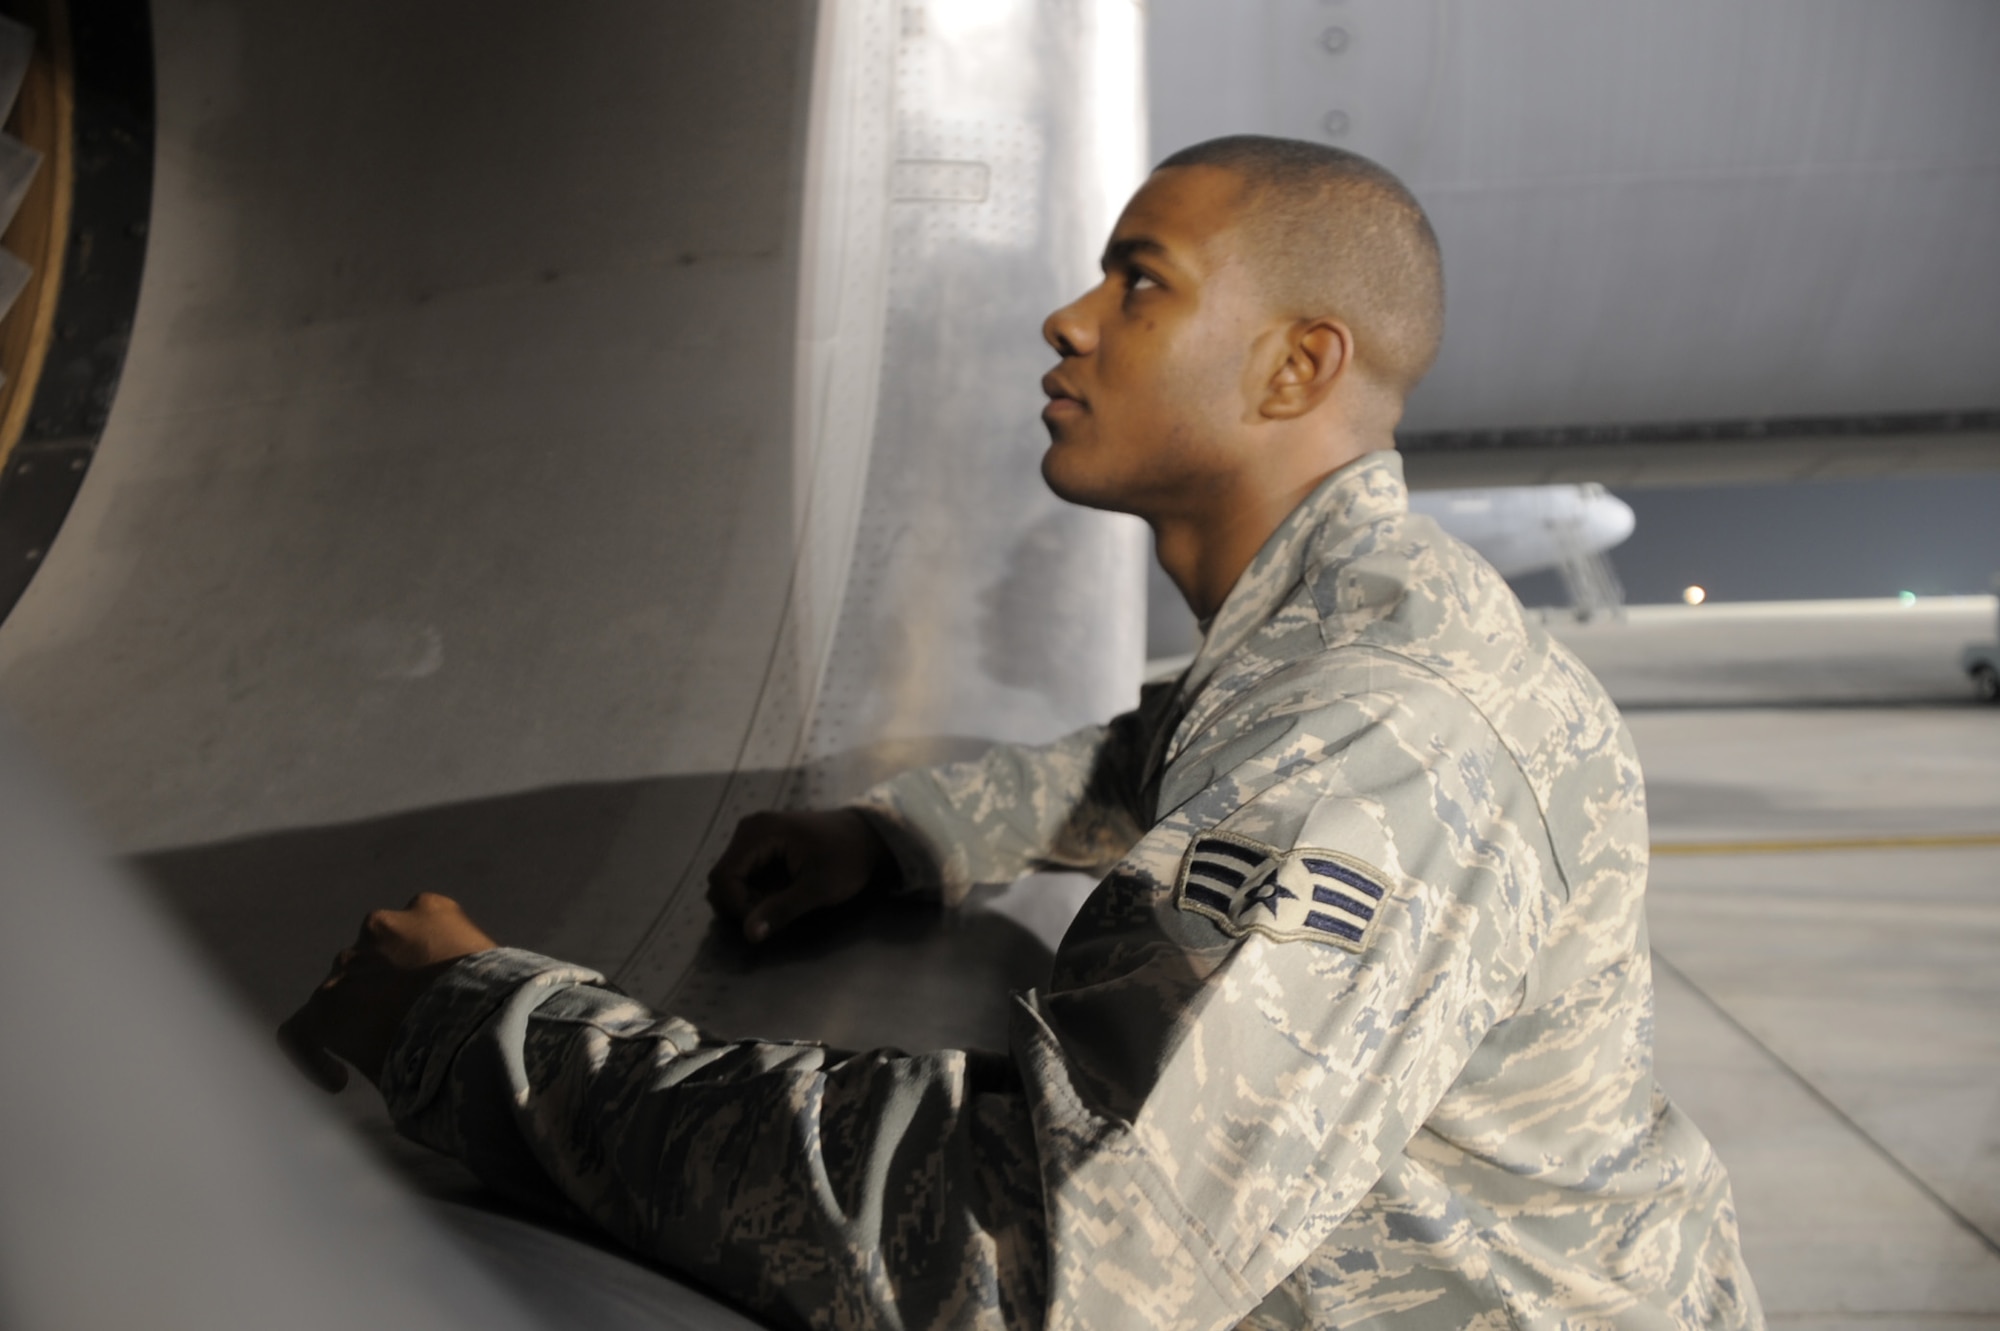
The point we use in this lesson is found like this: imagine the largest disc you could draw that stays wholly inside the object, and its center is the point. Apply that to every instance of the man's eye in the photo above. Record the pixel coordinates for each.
(1139, 281)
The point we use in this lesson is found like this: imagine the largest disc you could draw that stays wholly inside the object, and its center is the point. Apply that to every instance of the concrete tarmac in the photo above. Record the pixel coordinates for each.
(1825, 912)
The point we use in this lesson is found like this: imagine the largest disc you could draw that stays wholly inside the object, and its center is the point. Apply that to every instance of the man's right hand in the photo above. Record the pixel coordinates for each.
(780, 866)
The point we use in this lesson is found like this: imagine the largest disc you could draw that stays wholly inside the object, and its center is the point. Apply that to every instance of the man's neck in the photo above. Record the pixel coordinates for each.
(1206, 551)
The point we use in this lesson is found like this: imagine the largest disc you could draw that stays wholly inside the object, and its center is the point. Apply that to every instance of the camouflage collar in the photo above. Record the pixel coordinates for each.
(1369, 488)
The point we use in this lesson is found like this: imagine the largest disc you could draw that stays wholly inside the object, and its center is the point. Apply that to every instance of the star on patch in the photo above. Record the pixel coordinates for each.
(1268, 894)
(1303, 894)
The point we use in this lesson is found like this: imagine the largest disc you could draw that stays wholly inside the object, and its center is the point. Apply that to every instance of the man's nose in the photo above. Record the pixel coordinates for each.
(1068, 331)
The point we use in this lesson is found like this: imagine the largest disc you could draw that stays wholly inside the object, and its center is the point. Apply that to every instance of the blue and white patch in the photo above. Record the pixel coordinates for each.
(1320, 896)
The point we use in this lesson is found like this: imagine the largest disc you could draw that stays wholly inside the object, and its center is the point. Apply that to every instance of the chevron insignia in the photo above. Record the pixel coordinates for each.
(1320, 896)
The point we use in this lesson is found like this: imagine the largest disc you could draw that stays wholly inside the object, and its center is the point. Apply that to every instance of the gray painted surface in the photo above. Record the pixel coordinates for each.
(977, 605)
(162, 1168)
(497, 500)
(428, 467)
(1651, 212)
(574, 432)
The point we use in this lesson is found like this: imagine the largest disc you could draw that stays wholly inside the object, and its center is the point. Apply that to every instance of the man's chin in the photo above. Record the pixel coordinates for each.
(1075, 485)
(1060, 474)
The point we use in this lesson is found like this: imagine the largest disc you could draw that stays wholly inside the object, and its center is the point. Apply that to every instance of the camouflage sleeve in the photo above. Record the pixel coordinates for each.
(817, 1188)
(1205, 1092)
(1072, 804)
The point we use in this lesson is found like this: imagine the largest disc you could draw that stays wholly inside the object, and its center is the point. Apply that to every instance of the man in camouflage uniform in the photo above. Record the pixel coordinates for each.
(1356, 1030)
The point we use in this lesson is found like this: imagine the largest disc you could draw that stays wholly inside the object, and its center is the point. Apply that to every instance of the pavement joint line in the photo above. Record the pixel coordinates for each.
(1828, 1103)
(1944, 841)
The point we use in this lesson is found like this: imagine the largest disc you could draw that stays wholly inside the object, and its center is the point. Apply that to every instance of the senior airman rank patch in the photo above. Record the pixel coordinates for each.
(1321, 896)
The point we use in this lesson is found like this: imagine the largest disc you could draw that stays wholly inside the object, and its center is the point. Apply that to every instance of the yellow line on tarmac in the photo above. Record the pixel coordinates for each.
(1941, 842)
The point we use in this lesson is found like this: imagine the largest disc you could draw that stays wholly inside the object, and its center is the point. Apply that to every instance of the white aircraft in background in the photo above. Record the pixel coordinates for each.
(1527, 528)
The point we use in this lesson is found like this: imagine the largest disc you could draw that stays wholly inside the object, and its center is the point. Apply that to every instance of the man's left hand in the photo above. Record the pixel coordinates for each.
(355, 1012)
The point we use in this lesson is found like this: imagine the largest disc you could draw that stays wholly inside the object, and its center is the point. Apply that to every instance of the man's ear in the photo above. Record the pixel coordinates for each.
(1317, 353)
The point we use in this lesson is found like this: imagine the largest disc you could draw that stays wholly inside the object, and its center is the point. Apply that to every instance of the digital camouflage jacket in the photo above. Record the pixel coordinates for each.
(1356, 1030)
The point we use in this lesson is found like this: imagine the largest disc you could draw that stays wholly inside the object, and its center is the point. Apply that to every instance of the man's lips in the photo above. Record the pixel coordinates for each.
(1061, 396)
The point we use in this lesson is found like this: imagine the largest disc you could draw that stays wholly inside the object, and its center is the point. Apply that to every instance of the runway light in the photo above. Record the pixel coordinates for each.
(1694, 596)
(1907, 598)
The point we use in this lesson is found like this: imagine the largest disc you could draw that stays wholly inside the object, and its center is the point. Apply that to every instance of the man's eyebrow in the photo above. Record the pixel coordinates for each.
(1126, 249)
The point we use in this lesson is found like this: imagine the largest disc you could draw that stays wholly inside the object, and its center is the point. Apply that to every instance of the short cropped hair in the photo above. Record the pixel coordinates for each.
(1335, 234)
